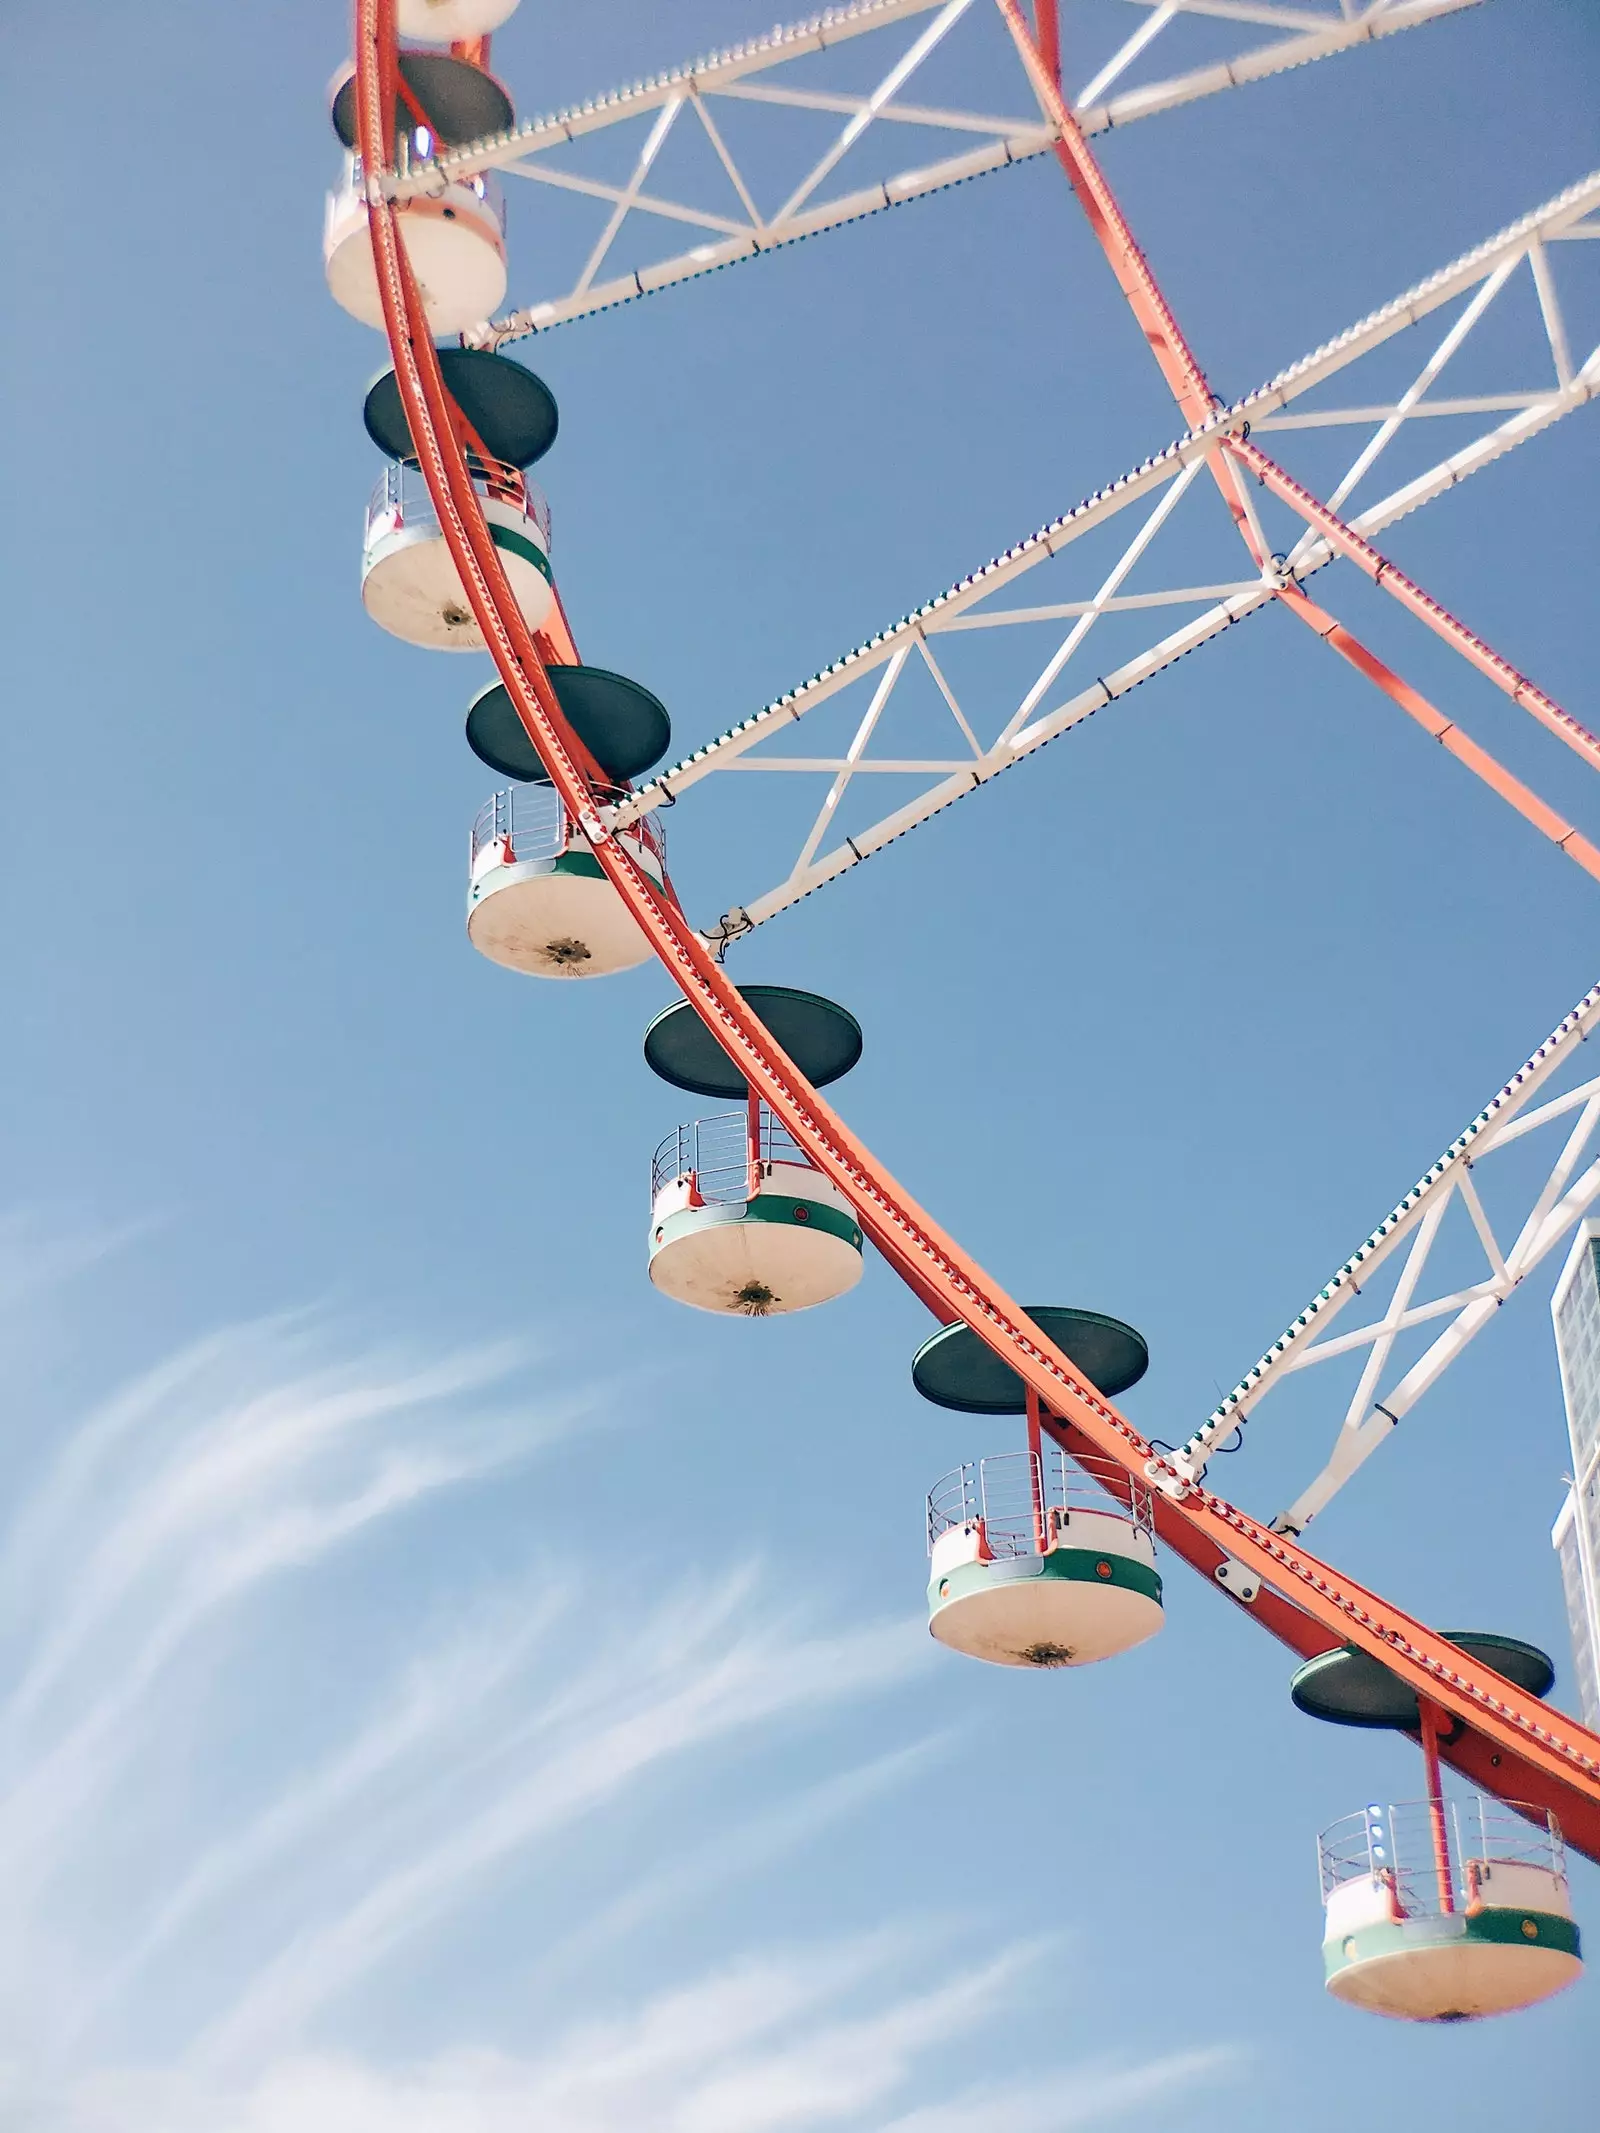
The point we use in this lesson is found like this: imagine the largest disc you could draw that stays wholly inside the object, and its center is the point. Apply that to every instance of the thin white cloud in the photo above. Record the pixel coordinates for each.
(38, 1252)
(752, 2048)
(1089, 2095)
(436, 1712)
(696, 1692)
(788, 1825)
(484, 1738)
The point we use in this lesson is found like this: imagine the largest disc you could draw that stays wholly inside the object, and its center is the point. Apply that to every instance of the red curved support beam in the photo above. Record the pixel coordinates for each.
(1542, 1754)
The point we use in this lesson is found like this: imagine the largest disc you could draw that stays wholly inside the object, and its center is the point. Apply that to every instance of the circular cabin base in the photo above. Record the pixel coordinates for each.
(787, 1250)
(456, 252)
(1456, 1968)
(554, 918)
(411, 588)
(1067, 1608)
(451, 21)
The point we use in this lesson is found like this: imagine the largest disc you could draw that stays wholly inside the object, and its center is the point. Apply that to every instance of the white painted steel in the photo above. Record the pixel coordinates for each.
(744, 74)
(719, 1257)
(451, 21)
(411, 587)
(1488, 269)
(456, 246)
(1559, 1204)
(1420, 1940)
(536, 899)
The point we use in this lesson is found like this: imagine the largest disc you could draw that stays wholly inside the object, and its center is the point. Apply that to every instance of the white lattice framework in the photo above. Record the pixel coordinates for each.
(1301, 1600)
(972, 739)
(640, 221)
(1556, 1198)
(1518, 260)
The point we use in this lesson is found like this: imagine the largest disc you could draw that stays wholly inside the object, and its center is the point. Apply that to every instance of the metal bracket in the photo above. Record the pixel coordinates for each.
(1236, 1580)
(1161, 1476)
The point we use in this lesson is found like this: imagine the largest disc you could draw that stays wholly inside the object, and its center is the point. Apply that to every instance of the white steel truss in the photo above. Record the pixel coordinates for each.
(1519, 257)
(1556, 1203)
(640, 222)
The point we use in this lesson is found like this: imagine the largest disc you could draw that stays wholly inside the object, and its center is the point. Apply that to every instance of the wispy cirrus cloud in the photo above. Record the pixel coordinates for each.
(255, 1770)
(761, 2047)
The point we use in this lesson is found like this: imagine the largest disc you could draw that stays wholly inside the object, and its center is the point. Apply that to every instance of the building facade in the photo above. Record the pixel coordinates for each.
(1575, 1308)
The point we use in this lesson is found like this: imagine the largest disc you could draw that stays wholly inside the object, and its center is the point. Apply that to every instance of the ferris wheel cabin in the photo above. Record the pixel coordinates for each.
(454, 232)
(741, 1223)
(1037, 1559)
(409, 584)
(537, 898)
(1439, 1910)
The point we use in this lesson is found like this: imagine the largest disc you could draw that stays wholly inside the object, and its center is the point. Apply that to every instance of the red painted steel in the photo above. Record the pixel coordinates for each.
(1190, 388)
(1047, 31)
(1411, 596)
(1445, 731)
(1319, 1607)
(1431, 1729)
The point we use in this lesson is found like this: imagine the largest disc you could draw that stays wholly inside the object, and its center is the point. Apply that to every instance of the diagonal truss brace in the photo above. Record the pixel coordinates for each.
(751, 75)
(1487, 264)
(1193, 394)
(1559, 1204)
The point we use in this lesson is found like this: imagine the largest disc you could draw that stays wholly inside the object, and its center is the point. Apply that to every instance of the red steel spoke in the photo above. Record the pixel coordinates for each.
(1047, 29)
(1181, 368)
(1312, 1606)
(1411, 596)
(1449, 735)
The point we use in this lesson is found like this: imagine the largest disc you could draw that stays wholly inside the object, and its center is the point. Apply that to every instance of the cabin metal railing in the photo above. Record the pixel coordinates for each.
(716, 1154)
(524, 822)
(1013, 1494)
(350, 194)
(400, 498)
(1396, 1844)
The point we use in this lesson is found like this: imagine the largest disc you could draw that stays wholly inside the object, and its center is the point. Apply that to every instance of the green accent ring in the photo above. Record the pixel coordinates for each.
(519, 544)
(1073, 1566)
(768, 1207)
(1500, 1927)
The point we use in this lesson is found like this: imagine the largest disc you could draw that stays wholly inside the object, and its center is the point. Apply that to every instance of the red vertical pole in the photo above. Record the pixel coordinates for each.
(1430, 1716)
(1036, 1449)
(752, 1136)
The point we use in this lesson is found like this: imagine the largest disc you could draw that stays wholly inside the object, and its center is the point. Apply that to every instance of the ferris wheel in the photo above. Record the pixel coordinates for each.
(1045, 1555)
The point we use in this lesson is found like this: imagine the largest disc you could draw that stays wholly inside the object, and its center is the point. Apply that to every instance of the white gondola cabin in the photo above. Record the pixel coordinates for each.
(537, 899)
(741, 1221)
(1037, 1560)
(1438, 1910)
(455, 238)
(409, 582)
(454, 230)
(1446, 1911)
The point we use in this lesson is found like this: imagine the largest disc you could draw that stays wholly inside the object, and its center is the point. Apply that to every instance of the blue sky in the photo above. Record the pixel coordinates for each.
(447, 1685)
